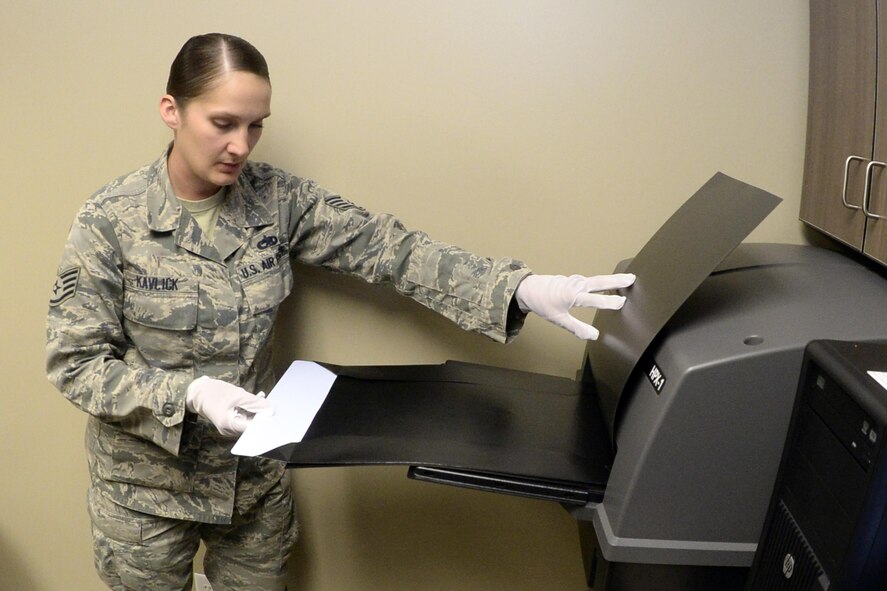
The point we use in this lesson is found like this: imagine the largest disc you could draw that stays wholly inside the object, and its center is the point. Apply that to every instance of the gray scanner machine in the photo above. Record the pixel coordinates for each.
(699, 425)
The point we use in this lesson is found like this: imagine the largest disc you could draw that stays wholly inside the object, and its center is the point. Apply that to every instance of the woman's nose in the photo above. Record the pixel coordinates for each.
(239, 144)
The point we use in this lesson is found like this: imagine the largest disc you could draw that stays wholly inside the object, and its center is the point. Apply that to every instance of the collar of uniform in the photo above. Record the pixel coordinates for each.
(241, 210)
(245, 206)
(164, 210)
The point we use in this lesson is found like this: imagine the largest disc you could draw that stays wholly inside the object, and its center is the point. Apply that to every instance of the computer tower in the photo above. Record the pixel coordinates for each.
(826, 526)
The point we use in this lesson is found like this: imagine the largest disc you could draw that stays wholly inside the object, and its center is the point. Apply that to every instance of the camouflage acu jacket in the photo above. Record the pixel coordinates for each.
(144, 303)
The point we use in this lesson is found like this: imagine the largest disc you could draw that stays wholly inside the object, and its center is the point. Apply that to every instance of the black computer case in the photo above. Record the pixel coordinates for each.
(826, 527)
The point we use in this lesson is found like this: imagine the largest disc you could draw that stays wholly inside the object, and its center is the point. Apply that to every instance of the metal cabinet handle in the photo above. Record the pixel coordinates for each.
(847, 204)
(868, 190)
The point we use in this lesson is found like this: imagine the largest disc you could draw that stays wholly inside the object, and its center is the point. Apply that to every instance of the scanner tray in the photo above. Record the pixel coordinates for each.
(459, 423)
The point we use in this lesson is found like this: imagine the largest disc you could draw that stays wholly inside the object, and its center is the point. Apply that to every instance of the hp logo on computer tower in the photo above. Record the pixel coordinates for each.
(788, 565)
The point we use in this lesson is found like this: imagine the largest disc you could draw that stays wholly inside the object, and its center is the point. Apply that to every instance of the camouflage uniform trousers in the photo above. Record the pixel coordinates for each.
(136, 551)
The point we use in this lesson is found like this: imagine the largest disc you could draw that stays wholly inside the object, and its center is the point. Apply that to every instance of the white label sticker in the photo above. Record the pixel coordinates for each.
(880, 377)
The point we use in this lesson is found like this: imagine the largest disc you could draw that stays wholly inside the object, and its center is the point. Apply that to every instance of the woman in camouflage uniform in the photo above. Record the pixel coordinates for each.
(160, 325)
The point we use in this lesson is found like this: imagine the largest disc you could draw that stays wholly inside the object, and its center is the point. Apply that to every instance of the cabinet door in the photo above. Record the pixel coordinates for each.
(875, 244)
(840, 116)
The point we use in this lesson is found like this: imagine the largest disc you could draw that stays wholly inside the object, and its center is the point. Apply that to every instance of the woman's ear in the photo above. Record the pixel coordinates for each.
(169, 112)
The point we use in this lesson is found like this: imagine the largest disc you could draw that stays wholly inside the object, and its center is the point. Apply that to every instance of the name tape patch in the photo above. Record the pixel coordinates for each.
(152, 283)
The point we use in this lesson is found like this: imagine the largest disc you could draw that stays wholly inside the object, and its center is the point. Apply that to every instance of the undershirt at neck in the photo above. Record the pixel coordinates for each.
(205, 211)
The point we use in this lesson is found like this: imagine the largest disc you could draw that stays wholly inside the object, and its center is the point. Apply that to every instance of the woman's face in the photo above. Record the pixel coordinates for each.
(215, 133)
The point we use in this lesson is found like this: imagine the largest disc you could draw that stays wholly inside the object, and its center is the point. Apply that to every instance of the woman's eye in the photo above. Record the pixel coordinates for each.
(222, 124)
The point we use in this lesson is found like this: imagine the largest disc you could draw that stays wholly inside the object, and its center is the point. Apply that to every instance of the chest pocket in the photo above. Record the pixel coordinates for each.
(266, 277)
(160, 313)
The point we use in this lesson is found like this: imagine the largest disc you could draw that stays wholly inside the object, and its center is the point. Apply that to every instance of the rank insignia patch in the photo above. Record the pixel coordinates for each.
(65, 286)
(341, 203)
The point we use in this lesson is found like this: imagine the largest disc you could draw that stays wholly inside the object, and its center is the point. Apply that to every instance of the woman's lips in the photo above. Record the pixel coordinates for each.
(229, 167)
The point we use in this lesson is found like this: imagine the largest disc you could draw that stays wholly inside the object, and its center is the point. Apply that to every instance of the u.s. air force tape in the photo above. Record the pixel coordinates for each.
(65, 286)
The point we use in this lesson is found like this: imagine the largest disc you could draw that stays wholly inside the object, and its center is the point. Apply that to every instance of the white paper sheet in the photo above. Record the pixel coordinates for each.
(296, 399)
(880, 377)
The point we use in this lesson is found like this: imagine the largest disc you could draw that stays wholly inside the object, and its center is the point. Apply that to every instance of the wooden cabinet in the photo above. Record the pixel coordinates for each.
(845, 171)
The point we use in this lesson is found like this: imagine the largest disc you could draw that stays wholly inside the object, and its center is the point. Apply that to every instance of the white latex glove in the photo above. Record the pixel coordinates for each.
(552, 297)
(226, 406)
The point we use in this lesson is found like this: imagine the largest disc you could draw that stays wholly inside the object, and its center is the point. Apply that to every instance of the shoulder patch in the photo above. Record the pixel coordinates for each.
(65, 286)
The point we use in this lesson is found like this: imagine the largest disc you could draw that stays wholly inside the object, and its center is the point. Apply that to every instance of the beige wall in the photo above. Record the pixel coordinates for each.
(560, 132)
